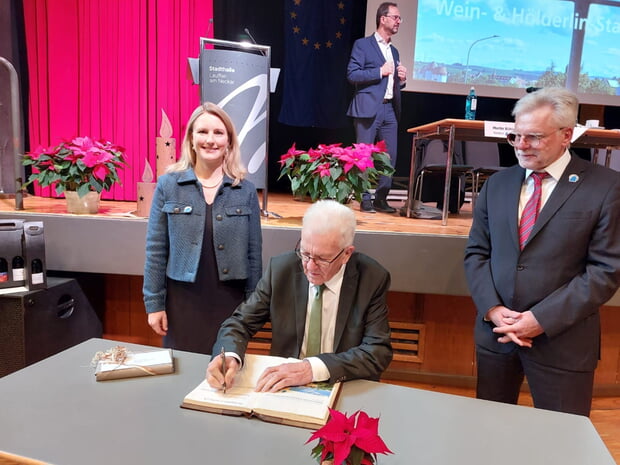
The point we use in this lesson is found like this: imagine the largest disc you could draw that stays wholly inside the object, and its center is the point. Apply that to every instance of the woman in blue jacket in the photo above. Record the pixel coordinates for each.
(203, 243)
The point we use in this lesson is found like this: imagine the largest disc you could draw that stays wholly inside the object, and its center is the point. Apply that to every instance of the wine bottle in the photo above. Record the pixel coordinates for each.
(36, 268)
(18, 268)
(4, 270)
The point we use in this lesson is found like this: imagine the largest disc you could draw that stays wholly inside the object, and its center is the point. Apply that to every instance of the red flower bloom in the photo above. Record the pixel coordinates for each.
(360, 157)
(341, 434)
(323, 170)
(292, 153)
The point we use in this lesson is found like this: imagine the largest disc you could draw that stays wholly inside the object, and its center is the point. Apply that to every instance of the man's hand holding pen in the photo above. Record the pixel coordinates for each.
(221, 372)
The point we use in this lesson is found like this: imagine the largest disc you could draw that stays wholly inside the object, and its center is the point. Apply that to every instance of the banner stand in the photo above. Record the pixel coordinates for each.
(237, 77)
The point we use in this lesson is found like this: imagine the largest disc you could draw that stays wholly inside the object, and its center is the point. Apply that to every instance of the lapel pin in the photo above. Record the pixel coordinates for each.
(573, 178)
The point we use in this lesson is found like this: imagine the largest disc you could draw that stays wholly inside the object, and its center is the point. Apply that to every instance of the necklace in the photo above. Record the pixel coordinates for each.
(210, 186)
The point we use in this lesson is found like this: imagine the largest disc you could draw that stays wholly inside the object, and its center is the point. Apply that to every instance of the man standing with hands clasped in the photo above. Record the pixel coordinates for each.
(543, 255)
(375, 70)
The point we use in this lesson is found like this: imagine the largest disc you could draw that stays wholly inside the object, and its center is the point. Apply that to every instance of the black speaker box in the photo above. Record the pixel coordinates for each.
(40, 323)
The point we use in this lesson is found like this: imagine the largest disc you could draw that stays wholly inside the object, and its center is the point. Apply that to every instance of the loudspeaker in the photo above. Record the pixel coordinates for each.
(40, 323)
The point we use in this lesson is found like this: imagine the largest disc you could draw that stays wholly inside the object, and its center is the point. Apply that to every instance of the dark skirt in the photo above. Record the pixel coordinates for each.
(195, 311)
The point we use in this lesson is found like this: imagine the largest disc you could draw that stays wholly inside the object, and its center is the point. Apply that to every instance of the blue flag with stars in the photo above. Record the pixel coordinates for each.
(317, 47)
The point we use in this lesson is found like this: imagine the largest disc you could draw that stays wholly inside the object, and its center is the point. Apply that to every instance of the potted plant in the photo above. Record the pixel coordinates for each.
(81, 168)
(335, 172)
(348, 440)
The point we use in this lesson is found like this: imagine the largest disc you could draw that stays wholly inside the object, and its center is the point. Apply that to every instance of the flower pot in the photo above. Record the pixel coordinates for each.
(82, 205)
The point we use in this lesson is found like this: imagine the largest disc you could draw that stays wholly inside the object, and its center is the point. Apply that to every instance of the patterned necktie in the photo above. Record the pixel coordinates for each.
(530, 212)
(313, 346)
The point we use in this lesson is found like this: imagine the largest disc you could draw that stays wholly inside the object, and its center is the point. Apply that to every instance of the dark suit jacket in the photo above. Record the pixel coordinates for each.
(362, 335)
(567, 270)
(363, 72)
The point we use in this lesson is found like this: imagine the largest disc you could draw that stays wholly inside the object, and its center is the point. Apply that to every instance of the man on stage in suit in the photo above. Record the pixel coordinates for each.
(375, 70)
(543, 255)
(324, 273)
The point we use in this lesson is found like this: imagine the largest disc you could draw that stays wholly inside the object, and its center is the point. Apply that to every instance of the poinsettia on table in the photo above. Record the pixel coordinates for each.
(335, 172)
(349, 440)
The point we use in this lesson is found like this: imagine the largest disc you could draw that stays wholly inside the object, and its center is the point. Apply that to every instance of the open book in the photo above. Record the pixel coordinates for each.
(303, 406)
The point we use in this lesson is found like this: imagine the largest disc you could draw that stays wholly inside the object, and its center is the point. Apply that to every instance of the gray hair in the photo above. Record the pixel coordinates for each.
(563, 102)
(329, 216)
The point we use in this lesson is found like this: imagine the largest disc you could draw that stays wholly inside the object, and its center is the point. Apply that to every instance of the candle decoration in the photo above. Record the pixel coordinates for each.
(166, 145)
(146, 189)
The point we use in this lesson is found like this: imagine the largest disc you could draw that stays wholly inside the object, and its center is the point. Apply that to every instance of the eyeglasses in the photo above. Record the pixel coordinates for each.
(533, 140)
(395, 18)
(320, 262)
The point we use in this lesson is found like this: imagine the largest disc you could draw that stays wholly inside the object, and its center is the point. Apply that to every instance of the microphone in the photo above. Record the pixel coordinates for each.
(209, 28)
(529, 90)
(247, 31)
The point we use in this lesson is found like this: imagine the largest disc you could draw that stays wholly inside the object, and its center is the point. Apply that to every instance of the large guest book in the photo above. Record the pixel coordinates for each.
(304, 406)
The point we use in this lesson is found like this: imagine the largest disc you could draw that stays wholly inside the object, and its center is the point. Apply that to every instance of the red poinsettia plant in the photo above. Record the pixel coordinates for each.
(335, 172)
(80, 165)
(349, 440)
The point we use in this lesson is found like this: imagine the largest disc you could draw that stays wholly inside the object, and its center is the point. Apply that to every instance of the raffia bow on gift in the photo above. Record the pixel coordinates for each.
(118, 355)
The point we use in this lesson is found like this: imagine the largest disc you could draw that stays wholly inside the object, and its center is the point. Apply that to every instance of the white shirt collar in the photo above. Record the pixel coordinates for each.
(335, 282)
(381, 41)
(555, 169)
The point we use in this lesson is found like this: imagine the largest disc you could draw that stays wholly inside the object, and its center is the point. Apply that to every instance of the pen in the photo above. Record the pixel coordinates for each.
(223, 354)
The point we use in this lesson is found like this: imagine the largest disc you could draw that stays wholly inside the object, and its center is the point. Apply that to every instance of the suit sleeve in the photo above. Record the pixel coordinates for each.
(478, 258)
(582, 295)
(371, 354)
(246, 320)
(359, 70)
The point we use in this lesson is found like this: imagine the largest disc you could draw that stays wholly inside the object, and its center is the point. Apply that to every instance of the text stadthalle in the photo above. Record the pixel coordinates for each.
(226, 69)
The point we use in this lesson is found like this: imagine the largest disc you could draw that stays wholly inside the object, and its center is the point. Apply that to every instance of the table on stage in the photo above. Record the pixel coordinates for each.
(474, 130)
(55, 411)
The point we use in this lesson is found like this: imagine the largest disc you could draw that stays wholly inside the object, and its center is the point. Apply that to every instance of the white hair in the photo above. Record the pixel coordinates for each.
(329, 216)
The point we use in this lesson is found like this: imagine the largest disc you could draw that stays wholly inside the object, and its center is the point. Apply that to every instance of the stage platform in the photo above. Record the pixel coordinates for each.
(422, 255)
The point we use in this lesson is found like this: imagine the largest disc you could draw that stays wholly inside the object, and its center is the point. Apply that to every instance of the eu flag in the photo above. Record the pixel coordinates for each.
(317, 38)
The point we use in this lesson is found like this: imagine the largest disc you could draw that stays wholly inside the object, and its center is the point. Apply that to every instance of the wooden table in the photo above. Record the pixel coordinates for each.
(473, 130)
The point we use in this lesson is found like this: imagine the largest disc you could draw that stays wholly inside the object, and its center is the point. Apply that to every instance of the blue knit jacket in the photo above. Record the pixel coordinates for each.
(176, 227)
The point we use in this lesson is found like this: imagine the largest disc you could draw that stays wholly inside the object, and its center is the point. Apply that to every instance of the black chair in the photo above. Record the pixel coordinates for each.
(600, 157)
(485, 160)
(432, 166)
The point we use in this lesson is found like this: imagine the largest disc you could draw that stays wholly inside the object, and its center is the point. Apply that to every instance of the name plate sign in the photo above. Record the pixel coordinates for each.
(497, 129)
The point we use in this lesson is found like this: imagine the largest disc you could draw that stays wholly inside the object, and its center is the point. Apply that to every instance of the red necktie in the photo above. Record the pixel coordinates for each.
(530, 212)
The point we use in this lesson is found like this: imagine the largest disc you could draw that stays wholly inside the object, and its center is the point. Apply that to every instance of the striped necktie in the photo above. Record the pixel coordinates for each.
(532, 207)
(313, 346)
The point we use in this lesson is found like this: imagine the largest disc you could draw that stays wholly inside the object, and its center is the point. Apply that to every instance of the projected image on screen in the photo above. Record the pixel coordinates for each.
(515, 44)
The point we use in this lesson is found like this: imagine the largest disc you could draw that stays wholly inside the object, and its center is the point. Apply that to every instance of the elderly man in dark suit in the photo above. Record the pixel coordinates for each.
(352, 331)
(538, 279)
(375, 70)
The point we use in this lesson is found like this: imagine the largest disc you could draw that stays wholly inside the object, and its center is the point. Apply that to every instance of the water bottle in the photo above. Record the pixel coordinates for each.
(471, 102)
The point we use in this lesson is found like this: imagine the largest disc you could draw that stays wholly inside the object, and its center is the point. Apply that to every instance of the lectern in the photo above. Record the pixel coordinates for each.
(236, 77)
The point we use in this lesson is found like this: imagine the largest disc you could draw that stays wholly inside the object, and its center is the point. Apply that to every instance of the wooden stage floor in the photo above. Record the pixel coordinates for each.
(290, 212)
